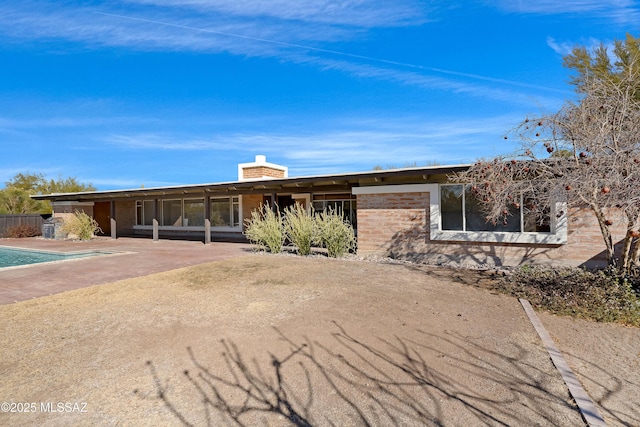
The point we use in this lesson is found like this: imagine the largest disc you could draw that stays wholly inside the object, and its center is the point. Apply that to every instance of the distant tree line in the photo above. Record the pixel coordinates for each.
(15, 196)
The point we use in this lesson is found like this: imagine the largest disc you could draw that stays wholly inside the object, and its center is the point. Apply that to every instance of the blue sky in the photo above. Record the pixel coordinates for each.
(167, 92)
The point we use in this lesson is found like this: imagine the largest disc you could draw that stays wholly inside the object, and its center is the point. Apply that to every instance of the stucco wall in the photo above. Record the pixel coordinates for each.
(397, 225)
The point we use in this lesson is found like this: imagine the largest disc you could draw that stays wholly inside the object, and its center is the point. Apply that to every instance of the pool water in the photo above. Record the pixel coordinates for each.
(10, 257)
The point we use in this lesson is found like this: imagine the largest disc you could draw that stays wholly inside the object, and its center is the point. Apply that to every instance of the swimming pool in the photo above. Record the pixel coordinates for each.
(12, 257)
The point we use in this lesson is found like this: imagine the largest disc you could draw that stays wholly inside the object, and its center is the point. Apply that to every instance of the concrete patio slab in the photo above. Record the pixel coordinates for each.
(135, 257)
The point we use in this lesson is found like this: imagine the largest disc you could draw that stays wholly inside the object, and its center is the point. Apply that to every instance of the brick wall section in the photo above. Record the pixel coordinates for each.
(250, 203)
(385, 220)
(68, 210)
(261, 171)
(125, 217)
(397, 225)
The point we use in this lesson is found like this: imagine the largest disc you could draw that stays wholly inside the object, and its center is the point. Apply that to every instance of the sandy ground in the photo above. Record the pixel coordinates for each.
(275, 340)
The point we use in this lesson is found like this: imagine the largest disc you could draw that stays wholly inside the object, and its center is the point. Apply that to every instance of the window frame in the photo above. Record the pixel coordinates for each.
(185, 218)
(232, 202)
(556, 236)
(163, 213)
(235, 209)
(520, 215)
(350, 214)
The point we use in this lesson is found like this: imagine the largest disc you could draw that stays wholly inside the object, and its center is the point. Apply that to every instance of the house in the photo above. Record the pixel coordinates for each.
(410, 213)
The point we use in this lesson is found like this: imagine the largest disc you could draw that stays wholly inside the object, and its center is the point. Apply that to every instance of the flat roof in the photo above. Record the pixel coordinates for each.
(300, 184)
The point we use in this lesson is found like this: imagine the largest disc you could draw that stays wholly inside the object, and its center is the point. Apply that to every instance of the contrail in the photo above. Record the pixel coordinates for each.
(339, 53)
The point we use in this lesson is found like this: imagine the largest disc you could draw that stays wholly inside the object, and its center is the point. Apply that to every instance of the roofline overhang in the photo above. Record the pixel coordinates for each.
(296, 184)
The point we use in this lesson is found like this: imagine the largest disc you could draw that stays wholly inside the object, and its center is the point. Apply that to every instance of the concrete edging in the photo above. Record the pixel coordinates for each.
(586, 406)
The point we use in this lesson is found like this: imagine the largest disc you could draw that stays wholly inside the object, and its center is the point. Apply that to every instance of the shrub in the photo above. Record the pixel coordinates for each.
(603, 296)
(300, 228)
(81, 225)
(336, 234)
(22, 230)
(265, 229)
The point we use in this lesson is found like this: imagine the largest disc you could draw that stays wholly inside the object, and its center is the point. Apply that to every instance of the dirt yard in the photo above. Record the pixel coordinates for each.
(276, 340)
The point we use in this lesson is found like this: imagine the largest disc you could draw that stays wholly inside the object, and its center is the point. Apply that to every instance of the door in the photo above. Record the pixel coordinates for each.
(102, 215)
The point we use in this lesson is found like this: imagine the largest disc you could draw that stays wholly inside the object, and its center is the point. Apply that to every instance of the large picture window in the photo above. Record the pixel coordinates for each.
(144, 212)
(193, 213)
(460, 211)
(172, 212)
(225, 212)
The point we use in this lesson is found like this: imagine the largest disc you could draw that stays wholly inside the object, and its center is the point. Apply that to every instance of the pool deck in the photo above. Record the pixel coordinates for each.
(136, 257)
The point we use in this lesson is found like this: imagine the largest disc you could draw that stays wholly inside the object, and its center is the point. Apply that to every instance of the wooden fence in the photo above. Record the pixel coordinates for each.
(10, 221)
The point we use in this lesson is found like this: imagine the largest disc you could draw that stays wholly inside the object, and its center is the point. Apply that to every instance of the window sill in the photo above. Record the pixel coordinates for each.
(495, 237)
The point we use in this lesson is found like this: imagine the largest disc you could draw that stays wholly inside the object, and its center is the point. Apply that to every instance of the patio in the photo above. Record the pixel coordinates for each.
(136, 257)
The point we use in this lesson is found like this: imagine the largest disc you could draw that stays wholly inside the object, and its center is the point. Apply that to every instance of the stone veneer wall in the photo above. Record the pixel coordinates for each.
(397, 225)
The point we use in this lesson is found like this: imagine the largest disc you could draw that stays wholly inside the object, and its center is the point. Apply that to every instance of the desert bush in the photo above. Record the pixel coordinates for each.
(602, 295)
(335, 233)
(81, 225)
(300, 228)
(22, 230)
(265, 229)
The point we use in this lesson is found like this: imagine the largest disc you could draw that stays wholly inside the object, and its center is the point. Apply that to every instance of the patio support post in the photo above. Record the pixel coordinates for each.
(112, 219)
(156, 212)
(207, 220)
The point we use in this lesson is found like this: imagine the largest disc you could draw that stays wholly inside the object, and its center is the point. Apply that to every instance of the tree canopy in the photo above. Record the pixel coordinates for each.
(586, 154)
(15, 197)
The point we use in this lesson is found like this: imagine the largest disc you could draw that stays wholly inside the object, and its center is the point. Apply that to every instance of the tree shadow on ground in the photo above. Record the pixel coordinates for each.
(346, 380)
(414, 244)
(604, 387)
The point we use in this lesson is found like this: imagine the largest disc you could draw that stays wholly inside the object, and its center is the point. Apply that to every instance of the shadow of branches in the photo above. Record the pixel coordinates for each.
(346, 380)
(604, 388)
(413, 244)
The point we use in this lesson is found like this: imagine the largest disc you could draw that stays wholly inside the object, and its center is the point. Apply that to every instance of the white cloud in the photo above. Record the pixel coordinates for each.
(619, 11)
(482, 87)
(561, 48)
(161, 142)
(237, 28)
(363, 144)
(202, 26)
(565, 48)
(371, 13)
